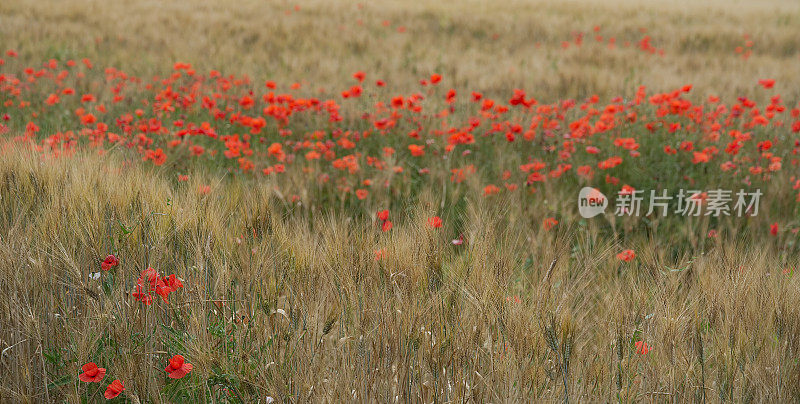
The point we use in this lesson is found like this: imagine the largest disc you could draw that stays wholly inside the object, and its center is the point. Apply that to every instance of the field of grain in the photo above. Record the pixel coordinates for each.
(327, 201)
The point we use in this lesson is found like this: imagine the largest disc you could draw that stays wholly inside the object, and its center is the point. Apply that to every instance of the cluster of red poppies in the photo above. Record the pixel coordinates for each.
(176, 368)
(150, 282)
(383, 218)
(211, 118)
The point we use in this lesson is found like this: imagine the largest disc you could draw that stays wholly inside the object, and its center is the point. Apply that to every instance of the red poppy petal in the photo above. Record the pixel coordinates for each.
(177, 374)
(114, 389)
(176, 361)
(111, 392)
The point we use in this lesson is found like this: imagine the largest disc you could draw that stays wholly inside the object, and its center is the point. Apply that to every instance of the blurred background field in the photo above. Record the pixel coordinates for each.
(721, 47)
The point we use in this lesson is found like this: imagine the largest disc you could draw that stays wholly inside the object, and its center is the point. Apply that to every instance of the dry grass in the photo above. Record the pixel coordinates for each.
(281, 304)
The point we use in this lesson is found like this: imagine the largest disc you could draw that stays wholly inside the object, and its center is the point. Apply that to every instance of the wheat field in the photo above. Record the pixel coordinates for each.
(377, 201)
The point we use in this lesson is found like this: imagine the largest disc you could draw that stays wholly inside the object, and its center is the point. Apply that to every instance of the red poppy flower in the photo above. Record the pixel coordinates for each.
(141, 295)
(114, 389)
(386, 225)
(767, 83)
(166, 285)
(626, 255)
(383, 215)
(700, 157)
(173, 282)
(88, 119)
(642, 348)
(491, 189)
(92, 373)
(247, 102)
(773, 229)
(110, 262)
(397, 102)
(163, 290)
(416, 150)
(435, 222)
(177, 367)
